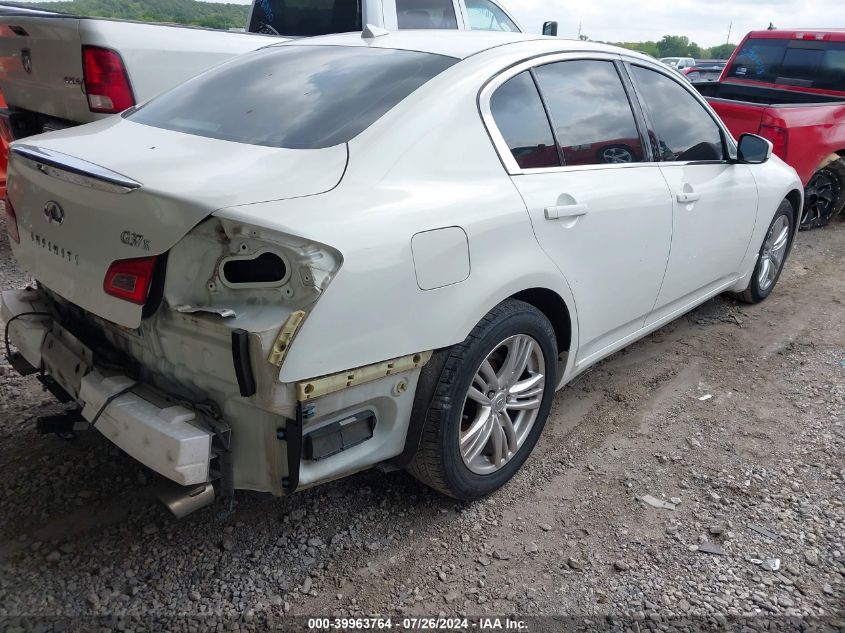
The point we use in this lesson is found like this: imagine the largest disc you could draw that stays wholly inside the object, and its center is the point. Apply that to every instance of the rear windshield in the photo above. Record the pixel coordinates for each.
(305, 17)
(805, 63)
(297, 97)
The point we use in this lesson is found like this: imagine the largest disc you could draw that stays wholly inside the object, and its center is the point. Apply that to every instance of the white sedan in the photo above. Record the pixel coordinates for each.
(381, 251)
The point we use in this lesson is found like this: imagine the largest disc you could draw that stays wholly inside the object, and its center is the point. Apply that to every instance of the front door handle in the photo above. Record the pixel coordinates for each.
(688, 197)
(566, 211)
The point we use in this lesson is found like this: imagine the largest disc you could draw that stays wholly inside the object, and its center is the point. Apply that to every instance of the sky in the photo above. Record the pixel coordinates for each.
(705, 22)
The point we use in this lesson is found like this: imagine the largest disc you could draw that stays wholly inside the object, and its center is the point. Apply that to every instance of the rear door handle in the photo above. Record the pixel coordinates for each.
(688, 198)
(566, 211)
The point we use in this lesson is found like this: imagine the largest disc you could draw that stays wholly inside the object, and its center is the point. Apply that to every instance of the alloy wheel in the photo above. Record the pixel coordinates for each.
(823, 195)
(774, 253)
(615, 155)
(502, 404)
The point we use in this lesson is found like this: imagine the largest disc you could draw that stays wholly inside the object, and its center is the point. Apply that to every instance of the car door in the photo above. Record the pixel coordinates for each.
(715, 200)
(600, 209)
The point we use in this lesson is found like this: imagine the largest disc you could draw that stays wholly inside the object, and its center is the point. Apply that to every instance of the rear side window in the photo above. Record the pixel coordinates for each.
(426, 14)
(592, 116)
(521, 118)
(486, 16)
(805, 63)
(681, 128)
(297, 97)
(305, 17)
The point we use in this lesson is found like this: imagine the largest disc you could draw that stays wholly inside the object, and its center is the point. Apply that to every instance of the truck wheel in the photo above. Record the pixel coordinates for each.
(824, 196)
(490, 404)
(772, 257)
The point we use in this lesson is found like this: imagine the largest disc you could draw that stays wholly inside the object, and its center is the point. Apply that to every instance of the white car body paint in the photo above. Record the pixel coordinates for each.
(441, 257)
(371, 232)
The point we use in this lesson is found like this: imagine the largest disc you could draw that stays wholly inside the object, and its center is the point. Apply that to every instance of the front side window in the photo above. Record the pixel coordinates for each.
(591, 113)
(303, 18)
(486, 16)
(426, 14)
(681, 127)
(519, 114)
(296, 97)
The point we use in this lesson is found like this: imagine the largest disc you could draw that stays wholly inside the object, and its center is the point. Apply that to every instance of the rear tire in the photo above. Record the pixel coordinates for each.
(482, 426)
(824, 197)
(773, 255)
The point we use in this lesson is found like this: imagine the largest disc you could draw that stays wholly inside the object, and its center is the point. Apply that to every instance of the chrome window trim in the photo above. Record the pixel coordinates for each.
(504, 152)
(74, 170)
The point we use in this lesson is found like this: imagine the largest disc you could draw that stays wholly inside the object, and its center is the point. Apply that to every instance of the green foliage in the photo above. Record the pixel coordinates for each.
(679, 46)
(208, 14)
(723, 51)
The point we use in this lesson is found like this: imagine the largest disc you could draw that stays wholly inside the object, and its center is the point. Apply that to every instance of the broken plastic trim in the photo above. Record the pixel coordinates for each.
(311, 389)
(243, 366)
(292, 436)
(285, 338)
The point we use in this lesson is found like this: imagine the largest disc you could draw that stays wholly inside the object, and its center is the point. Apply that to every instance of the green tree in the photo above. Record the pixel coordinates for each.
(723, 51)
(190, 12)
(673, 46)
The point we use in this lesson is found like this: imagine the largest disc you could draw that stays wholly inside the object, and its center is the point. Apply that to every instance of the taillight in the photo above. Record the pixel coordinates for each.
(106, 81)
(779, 138)
(12, 223)
(130, 279)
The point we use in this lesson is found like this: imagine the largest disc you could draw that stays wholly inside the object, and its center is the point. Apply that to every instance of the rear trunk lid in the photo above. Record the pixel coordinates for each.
(41, 65)
(134, 192)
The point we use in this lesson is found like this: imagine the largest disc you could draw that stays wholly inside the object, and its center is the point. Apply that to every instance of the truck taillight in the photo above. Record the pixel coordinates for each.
(106, 82)
(12, 223)
(779, 138)
(130, 279)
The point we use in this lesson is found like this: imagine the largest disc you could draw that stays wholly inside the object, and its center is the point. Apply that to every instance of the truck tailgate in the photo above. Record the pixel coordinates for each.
(41, 65)
(740, 117)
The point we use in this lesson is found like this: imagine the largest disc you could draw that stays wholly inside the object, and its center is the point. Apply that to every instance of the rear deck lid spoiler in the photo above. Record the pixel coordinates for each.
(74, 170)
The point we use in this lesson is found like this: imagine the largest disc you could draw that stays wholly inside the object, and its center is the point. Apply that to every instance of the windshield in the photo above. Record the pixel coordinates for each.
(297, 97)
(806, 63)
(303, 18)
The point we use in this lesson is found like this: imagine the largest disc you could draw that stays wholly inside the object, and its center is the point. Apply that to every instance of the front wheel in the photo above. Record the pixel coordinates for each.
(772, 256)
(490, 404)
(824, 197)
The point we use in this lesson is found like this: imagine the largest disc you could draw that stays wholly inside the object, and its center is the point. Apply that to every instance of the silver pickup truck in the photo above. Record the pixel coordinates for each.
(59, 70)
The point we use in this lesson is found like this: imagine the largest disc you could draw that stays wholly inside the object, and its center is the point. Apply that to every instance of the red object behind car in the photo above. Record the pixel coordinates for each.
(789, 86)
(4, 154)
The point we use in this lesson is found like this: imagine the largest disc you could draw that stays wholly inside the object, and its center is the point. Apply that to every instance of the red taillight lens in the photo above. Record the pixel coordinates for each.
(779, 138)
(12, 223)
(106, 81)
(130, 279)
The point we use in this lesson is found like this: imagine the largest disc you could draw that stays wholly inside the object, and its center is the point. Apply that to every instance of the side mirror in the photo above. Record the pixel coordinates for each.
(754, 150)
(550, 28)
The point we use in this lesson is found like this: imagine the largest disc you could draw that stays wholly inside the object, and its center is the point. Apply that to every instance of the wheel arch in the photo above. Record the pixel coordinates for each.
(554, 308)
(796, 199)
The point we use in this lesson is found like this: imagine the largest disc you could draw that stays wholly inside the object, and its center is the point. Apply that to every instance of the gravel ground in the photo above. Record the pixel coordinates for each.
(733, 415)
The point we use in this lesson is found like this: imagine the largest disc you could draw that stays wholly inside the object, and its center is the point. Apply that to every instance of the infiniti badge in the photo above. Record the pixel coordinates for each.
(54, 213)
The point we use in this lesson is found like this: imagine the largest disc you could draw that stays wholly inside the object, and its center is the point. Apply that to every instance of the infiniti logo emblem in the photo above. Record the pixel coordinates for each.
(54, 213)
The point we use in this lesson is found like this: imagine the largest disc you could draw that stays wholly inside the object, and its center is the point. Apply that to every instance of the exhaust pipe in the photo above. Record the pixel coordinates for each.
(183, 500)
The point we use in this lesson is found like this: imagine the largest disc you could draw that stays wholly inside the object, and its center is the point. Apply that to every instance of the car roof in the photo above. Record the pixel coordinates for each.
(830, 35)
(458, 44)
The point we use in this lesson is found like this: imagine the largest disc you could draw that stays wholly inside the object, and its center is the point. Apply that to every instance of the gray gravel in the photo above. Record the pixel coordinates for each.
(80, 531)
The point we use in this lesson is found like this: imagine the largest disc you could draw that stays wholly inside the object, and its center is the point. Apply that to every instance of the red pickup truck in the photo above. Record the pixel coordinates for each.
(789, 87)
